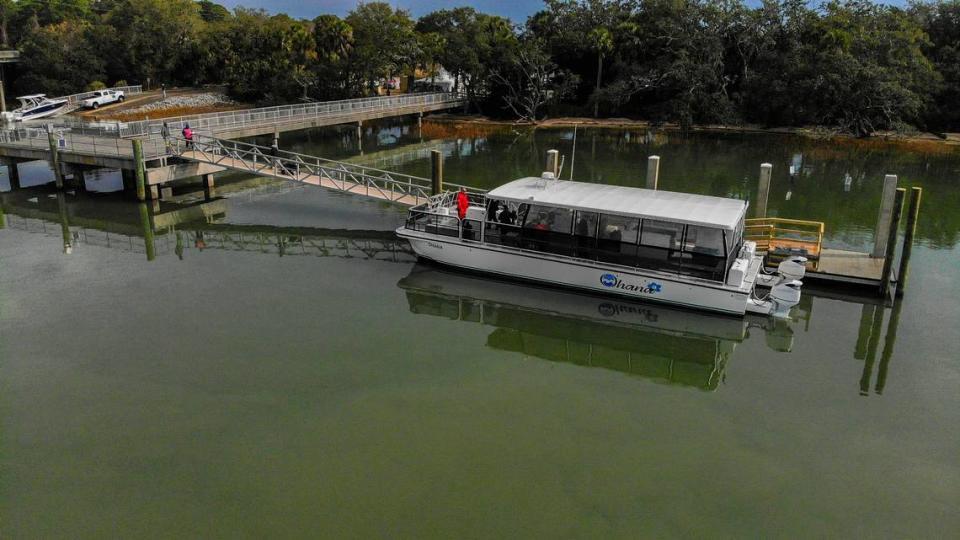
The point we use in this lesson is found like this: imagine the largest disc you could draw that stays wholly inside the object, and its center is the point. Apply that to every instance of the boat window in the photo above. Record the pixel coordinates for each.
(661, 234)
(617, 239)
(546, 218)
(660, 246)
(548, 229)
(585, 235)
(502, 225)
(705, 240)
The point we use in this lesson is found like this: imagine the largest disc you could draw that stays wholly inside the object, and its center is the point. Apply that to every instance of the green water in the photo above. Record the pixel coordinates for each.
(283, 368)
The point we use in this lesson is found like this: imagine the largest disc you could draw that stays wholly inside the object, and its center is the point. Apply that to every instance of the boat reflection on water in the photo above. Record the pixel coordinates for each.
(663, 344)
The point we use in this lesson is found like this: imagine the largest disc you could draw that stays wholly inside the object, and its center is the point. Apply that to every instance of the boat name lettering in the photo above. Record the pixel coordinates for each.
(435, 245)
(612, 281)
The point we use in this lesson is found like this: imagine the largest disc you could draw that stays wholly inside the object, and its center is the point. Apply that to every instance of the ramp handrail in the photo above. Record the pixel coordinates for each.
(268, 161)
(285, 113)
(768, 232)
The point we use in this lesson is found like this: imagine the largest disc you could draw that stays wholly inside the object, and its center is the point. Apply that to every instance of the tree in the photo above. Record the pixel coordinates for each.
(384, 42)
(602, 42)
(59, 59)
(531, 81)
(333, 40)
(151, 39)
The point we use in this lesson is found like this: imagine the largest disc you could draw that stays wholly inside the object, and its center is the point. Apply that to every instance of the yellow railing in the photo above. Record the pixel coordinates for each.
(773, 233)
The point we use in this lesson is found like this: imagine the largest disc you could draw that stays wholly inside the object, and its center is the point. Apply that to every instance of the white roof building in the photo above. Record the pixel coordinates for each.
(687, 208)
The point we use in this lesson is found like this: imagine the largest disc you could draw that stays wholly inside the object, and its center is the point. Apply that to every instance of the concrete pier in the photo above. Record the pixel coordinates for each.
(209, 191)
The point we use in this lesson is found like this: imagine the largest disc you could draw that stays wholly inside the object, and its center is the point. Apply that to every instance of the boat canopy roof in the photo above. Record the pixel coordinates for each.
(33, 96)
(687, 208)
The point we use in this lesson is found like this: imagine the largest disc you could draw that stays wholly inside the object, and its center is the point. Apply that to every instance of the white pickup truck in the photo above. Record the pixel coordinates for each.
(102, 97)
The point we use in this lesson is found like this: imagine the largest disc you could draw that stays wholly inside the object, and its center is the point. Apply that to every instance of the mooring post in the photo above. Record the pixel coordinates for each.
(553, 162)
(912, 213)
(54, 157)
(3, 219)
(3, 94)
(139, 169)
(436, 172)
(275, 145)
(147, 232)
(653, 172)
(763, 190)
(891, 241)
(886, 211)
(209, 192)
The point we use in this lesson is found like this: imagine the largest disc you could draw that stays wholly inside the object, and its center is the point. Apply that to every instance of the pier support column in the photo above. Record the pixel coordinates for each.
(653, 171)
(3, 93)
(891, 241)
(763, 190)
(886, 213)
(54, 157)
(360, 136)
(209, 191)
(912, 213)
(436, 172)
(13, 173)
(420, 125)
(275, 144)
(553, 162)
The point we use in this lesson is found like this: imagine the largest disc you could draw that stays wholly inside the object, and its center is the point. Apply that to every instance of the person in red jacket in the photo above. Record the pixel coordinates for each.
(463, 202)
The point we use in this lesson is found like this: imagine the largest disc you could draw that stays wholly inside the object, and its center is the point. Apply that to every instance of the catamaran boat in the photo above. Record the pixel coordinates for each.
(675, 248)
(38, 106)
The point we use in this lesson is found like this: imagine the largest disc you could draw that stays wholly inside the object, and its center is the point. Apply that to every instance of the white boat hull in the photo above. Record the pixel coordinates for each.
(578, 273)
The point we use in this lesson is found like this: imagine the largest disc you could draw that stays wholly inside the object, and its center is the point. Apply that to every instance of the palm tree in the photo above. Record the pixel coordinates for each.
(602, 42)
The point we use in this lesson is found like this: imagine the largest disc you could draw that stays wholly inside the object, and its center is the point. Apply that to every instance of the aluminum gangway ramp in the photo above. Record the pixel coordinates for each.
(334, 175)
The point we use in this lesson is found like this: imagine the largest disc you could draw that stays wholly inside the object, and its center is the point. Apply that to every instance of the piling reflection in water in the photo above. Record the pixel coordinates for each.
(663, 344)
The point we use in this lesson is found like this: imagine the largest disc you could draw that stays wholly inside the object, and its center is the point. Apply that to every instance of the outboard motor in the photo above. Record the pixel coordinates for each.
(784, 296)
(792, 268)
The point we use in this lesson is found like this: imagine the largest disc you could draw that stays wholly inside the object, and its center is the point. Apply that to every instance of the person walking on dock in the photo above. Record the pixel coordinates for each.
(188, 135)
(463, 202)
(165, 133)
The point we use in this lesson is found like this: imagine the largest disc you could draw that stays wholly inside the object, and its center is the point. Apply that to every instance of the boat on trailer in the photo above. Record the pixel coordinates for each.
(38, 106)
(674, 248)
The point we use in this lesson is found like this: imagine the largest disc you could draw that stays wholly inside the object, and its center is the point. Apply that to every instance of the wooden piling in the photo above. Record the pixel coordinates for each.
(553, 162)
(891, 241)
(3, 218)
(912, 213)
(763, 190)
(436, 172)
(140, 169)
(55, 158)
(883, 219)
(653, 171)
